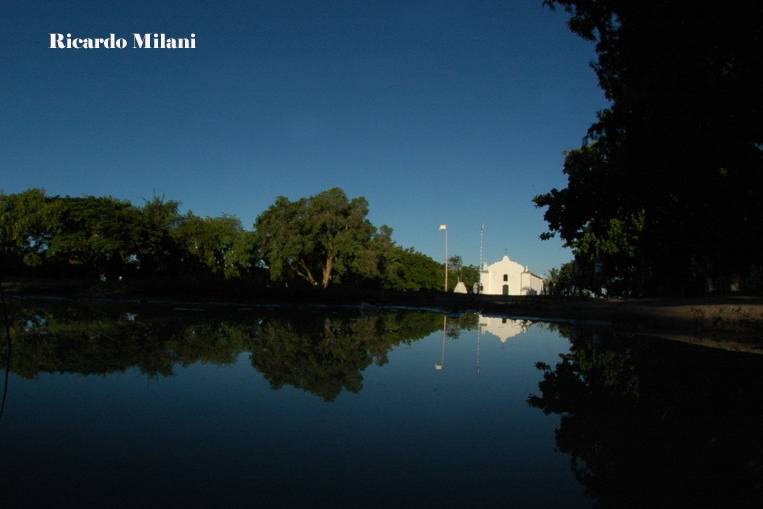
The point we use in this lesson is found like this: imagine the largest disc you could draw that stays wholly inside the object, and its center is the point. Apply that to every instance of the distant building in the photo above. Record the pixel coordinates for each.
(507, 277)
(460, 288)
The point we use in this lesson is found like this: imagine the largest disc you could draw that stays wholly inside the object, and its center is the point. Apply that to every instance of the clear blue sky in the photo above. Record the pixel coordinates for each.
(436, 111)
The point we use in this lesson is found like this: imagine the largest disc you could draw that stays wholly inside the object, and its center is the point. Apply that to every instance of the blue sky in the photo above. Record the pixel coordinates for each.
(451, 112)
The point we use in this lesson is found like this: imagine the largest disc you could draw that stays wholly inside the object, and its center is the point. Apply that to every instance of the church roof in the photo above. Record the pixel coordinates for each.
(506, 260)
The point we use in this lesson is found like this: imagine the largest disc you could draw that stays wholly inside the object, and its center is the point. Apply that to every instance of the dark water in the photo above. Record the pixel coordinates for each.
(316, 408)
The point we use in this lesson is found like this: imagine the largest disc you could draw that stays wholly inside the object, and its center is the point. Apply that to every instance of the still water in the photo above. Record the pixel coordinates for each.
(390, 408)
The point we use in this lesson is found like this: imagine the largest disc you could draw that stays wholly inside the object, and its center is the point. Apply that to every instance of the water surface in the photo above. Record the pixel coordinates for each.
(338, 408)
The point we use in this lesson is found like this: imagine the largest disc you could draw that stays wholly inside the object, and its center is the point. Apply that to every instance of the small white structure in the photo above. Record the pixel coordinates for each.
(507, 277)
(460, 287)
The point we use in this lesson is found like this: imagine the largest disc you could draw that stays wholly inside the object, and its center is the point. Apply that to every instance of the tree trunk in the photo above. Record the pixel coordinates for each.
(327, 271)
(307, 275)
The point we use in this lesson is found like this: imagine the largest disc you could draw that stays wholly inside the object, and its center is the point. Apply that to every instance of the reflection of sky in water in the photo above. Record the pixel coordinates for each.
(412, 433)
(182, 410)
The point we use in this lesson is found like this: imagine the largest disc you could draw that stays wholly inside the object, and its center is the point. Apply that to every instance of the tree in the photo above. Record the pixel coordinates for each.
(455, 263)
(105, 236)
(676, 162)
(24, 222)
(97, 234)
(316, 239)
(457, 271)
(215, 245)
(563, 281)
(470, 275)
(157, 248)
(409, 270)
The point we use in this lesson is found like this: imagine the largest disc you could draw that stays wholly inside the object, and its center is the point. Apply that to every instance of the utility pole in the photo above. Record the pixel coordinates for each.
(445, 227)
(482, 247)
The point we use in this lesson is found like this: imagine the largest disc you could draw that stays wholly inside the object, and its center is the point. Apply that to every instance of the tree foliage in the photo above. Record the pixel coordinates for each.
(320, 240)
(562, 282)
(410, 270)
(215, 245)
(663, 196)
(23, 221)
(104, 236)
(316, 238)
(91, 232)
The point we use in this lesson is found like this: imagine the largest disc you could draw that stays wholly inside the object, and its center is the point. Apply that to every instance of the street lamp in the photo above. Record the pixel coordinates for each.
(445, 228)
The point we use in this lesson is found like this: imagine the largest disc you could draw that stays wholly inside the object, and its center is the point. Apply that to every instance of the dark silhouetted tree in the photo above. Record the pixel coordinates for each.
(664, 194)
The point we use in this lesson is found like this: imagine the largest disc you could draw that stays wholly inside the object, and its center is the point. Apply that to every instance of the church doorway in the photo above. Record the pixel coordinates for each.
(505, 289)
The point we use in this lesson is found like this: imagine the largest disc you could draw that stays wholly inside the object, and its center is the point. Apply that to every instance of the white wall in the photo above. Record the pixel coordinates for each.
(531, 284)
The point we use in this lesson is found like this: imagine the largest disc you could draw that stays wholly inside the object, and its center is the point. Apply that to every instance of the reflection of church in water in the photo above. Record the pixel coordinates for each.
(497, 326)
(502, 328)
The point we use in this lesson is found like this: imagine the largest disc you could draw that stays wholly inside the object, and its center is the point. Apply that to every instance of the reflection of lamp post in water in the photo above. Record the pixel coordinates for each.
(439, 366)
(479, 333)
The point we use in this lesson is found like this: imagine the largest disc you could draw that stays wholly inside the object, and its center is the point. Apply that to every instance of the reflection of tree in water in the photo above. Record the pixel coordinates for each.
(651, 423)
(455, 325)
(326, 355)
(320, 352)
(47, 343)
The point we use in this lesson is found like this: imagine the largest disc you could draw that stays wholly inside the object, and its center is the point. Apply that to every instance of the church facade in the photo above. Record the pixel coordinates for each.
(507, 277)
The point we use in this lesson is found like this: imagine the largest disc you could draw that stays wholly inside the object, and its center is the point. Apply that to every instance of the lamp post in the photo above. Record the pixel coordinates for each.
(445, 228)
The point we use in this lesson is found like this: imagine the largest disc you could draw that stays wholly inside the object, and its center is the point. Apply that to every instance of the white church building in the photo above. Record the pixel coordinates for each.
(507, 277)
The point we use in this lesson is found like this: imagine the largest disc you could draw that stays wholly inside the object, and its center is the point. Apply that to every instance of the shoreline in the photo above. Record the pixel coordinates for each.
(731, 323)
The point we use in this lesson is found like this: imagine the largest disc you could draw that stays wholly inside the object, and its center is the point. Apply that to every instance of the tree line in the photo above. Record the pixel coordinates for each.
(314, 242)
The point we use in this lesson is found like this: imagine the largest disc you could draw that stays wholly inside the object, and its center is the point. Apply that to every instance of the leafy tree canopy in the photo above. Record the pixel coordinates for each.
(675, 164)
(320, 240)
(316, 238)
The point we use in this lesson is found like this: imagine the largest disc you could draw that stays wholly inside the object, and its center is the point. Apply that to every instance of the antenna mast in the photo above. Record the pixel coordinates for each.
(482, 247)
